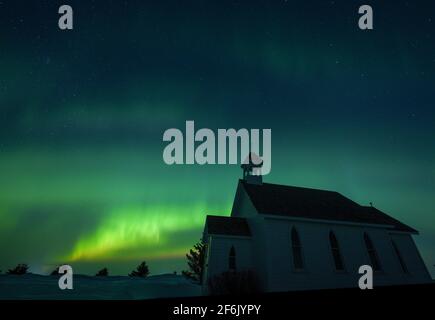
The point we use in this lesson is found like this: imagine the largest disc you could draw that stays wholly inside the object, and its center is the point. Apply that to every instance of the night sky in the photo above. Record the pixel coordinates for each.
(82, 115)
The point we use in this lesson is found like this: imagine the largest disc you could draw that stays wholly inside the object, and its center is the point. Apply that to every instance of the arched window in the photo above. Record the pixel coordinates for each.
(335, 250)
(232, 259)
(399, 257)
(371, 251)
(297, 250)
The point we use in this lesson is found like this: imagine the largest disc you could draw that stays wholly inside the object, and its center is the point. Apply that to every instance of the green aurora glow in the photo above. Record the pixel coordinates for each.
(82, 116)
(146, 228)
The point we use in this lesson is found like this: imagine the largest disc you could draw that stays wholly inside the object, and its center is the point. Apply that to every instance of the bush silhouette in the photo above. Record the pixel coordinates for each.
(142, 270)
(102, 273)
(20, 269)
(236, 283)
(55, 272)
(195, 261)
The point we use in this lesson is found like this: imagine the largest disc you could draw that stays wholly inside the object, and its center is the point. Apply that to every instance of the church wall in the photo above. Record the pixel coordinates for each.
(319, 271)
(218, 260)
(414, 262)
(259, 250)
(243, 207)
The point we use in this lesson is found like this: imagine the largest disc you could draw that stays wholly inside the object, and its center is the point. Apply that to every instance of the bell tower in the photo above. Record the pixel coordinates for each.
(252, 169)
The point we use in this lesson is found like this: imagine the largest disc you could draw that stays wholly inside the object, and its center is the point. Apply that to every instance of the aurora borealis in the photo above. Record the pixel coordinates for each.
(82, 114)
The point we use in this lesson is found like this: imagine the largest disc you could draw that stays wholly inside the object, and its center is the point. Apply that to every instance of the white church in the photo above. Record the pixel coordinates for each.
(295, 238)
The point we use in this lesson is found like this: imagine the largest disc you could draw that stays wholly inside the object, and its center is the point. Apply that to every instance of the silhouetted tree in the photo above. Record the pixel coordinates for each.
(102, 273)
(55, 272)
(20, 269)
(195, 261)
(142, 270)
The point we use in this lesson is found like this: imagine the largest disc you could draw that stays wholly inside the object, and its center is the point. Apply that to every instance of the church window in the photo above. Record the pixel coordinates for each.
(371, 251)
(335, 250)
(298, 263)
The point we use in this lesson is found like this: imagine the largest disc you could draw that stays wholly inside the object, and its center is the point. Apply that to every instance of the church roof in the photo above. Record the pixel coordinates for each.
(316, 204)
(227, 226)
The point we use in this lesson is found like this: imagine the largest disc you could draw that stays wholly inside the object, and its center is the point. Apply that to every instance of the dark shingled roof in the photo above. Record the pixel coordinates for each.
(227, 226)
(315, 204)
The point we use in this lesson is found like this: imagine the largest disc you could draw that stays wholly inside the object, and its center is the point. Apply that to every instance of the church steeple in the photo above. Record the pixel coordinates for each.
(252, 169)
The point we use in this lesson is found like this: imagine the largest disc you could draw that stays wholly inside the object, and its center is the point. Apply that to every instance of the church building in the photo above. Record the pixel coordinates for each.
(295, 238)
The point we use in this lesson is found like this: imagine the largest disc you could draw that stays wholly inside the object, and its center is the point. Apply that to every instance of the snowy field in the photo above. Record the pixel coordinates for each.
(32, 286)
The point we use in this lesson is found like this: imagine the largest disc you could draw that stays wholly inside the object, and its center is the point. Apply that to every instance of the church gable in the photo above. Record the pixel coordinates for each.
(242, 204)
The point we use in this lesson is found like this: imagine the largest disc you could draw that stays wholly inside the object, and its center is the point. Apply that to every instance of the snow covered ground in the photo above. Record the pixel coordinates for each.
(32, 286)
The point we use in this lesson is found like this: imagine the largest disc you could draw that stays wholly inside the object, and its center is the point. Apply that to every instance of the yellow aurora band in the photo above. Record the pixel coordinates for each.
(142, 231)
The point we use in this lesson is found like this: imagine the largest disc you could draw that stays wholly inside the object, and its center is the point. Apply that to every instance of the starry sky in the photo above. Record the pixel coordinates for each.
(82, 115)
